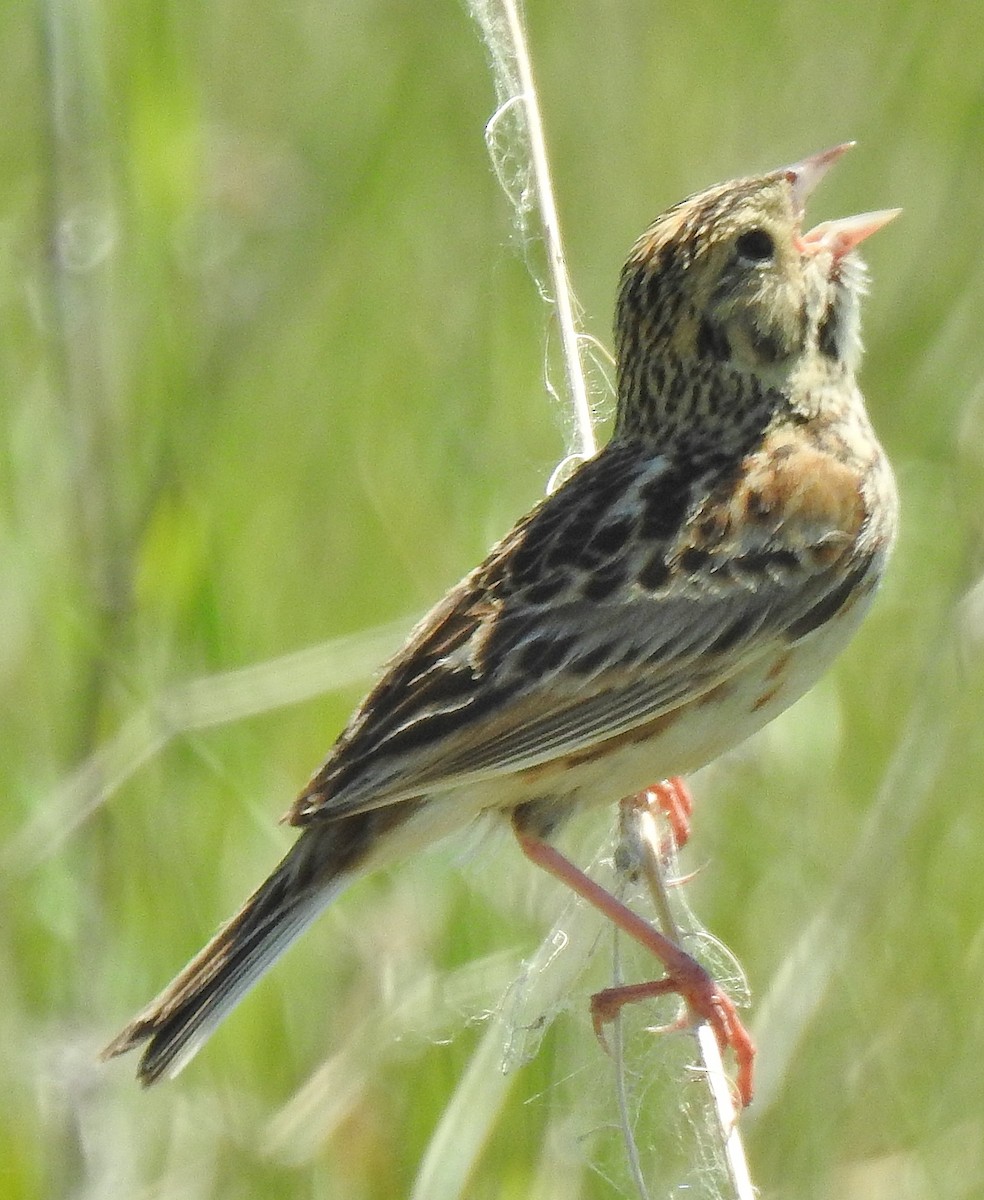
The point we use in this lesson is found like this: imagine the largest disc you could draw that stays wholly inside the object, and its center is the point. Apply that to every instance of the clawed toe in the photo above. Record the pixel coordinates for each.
(705, 1001)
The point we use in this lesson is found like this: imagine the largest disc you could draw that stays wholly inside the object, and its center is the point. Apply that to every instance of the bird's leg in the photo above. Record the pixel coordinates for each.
(684, 975)
(676, 802)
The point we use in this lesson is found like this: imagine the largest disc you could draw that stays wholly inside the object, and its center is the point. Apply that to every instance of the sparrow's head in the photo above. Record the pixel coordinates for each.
(726, 286)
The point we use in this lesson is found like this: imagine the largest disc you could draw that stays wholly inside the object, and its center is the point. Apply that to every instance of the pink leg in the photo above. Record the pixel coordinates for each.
(675, 801)
(684, 975)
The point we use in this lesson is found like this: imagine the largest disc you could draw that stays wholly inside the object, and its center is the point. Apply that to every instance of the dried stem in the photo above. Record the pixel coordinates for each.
(517, 147)
(644, 833)
(562, 293)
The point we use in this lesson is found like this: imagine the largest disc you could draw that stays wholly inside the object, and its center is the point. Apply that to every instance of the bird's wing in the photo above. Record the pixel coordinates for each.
(617, 600)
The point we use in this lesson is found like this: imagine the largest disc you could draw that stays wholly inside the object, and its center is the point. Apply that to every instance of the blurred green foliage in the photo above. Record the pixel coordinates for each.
(272, 374)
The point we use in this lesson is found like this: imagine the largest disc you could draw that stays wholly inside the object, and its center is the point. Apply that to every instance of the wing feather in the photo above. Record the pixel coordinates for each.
(534, 655)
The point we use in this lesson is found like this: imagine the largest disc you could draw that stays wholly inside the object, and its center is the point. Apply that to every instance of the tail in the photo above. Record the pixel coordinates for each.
(177, 1024)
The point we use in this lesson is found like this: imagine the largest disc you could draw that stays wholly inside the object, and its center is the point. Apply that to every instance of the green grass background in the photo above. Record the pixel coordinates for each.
(271, 374)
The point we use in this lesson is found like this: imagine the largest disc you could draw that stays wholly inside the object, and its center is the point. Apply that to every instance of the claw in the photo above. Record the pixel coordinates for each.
(705, 999)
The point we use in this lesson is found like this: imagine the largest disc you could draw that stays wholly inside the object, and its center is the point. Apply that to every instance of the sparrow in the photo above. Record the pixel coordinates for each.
(681, 589)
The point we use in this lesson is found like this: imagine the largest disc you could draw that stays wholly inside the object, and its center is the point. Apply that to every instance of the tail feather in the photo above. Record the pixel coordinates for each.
(323, 861)
(182, 1018)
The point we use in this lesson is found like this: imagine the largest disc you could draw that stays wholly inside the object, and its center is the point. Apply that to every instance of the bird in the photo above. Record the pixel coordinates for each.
(679, 590)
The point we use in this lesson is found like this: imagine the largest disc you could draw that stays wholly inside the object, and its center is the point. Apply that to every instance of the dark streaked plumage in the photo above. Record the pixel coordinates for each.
(682, 588)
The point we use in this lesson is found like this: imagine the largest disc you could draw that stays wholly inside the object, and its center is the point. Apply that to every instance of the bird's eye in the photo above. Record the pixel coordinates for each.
(756, 245)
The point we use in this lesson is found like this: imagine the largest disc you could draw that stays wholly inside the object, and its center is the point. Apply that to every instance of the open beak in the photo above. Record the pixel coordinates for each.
(840, 237)
(805, 175)
(837, 238)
